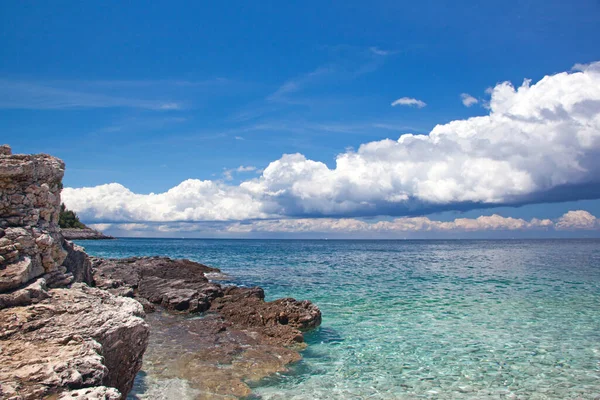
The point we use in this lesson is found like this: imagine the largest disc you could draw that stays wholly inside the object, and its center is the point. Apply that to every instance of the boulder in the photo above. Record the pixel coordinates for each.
(75, 338)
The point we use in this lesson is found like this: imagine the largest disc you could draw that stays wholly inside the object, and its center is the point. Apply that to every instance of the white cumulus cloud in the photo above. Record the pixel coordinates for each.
(539, 142)
(409, 101)
(579, 219)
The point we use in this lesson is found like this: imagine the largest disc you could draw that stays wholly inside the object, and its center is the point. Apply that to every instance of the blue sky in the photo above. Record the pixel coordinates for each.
(150, 95)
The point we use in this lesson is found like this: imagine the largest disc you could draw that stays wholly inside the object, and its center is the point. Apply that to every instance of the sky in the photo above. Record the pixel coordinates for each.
(386, 119)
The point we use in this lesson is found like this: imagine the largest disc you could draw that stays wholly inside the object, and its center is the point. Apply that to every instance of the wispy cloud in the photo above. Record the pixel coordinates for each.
(346, 63)
(159, 95)
(409, 101)
(296, 84)
(40, 96)
(379, 52)
(468, 100)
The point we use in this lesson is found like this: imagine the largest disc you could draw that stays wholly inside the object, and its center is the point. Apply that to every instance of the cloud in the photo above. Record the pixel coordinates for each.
(406, 224)
(361, 228)
(191, 200)
(73, 94)
(539, 143)
(100, 227)
(579, 219)
(296, 84)
(47, 96)
(379, 52)
(409, 101)
(468, 100)
(228, 173)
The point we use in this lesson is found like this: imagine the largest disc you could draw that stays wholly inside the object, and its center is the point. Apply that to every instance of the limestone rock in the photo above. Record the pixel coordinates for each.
(95, 393)
(33, 293)
(76, 338)
(78, 263)
(56, 341)
(30, 243)
(175, 284)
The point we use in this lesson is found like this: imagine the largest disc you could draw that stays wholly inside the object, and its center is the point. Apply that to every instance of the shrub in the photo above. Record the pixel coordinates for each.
(68, 219)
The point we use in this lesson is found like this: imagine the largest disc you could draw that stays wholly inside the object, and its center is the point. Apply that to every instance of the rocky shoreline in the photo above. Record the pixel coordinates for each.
(74, 326)
(84, 234)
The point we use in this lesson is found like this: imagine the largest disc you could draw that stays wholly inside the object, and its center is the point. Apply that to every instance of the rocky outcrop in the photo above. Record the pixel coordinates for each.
(56, 339)
(84, 234)
(174, 284)
(240, 338)
(181, 285)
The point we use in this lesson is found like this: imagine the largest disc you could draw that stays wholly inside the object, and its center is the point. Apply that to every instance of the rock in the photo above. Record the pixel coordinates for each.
(83, 234)
(78, 263)
(238, 303)
(76, 338)
(55, 340)
(178, 285)
(33, 293)
(31, 244)
(240, 339)
(95, 393)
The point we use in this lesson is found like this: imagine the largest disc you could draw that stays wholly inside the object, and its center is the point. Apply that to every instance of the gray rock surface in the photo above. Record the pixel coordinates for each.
(178, 285)
(77, 263)
(30, 240)
(75, 338)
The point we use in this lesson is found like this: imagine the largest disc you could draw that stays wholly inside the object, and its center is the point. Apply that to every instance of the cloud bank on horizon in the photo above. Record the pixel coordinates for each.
(539, 143)
(576, 220)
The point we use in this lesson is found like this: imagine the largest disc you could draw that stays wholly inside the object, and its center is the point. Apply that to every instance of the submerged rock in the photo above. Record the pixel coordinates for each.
(209, 353)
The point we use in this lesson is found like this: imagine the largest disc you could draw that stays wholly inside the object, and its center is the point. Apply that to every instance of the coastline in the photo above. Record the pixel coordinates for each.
(84, 234)
(74, 326)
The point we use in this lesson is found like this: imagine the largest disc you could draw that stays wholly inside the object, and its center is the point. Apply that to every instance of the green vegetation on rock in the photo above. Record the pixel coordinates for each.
(68, 219)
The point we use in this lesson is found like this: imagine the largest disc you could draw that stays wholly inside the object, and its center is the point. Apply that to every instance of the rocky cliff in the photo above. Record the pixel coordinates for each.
(58, 338)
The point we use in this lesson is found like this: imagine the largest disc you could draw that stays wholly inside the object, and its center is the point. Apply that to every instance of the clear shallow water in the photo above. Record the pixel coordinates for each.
(422, 319)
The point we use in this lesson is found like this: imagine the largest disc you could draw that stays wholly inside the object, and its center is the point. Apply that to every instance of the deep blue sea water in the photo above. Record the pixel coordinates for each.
(422, 319)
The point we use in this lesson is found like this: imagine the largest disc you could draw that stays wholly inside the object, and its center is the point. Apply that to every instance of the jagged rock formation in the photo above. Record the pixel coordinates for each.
(56, 340)
(180, 285)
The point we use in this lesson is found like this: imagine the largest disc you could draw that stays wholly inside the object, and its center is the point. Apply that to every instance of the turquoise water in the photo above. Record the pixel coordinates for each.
(422, 319)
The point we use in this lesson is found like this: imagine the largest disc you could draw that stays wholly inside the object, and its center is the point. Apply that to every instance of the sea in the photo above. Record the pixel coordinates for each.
(422, 319)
